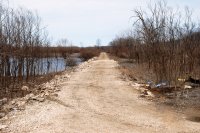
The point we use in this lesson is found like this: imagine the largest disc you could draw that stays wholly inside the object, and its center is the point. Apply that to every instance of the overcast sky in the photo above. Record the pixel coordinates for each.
(84, 21)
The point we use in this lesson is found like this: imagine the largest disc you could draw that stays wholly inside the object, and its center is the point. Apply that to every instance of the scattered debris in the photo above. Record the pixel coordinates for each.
(187, 87)
(143, 90)
(161, 85)
(181, 80)
(149, 84)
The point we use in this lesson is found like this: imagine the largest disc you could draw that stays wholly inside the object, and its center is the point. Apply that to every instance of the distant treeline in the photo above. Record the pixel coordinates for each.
(164, 39)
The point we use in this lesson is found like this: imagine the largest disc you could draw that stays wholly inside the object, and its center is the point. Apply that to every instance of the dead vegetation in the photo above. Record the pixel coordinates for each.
(164, 46)
(90, 52)
(21, 39)
(26, 54)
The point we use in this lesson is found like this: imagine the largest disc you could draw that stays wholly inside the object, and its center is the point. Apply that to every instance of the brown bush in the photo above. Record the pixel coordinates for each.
(88, 53)
(160, 41)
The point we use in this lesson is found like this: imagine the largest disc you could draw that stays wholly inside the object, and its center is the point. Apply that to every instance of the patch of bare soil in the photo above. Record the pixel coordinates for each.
(96, 99)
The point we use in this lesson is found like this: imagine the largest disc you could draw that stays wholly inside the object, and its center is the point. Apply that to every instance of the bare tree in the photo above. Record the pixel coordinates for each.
(165, 39)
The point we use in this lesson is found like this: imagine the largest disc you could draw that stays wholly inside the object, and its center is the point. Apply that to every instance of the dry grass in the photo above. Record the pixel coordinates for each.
(136, 72)
(88, 53)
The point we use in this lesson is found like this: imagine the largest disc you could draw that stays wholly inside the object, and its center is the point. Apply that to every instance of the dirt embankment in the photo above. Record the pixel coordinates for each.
(96, 99)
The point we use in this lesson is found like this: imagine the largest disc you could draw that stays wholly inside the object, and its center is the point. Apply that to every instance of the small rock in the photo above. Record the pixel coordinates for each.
(29, 96)
(57, 90)
(55, 85)
(3, 127)
(21, 103)
(66, 77)
(40, 99)
(25, 88)
(49, 88)
(50, 91)
(5, 118)
(57, 77)
(13, 102)
(43, 88)
(42, 95)
(3, 101)
(2, 115)
(142, 95)
(55, 95)
(47, 85)
(46, 94)
(145, 92)
(39, 87)
(187, 87)
(150, 94)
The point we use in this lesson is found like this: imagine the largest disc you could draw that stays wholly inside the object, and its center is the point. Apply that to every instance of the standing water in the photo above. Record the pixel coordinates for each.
(50, 65)
(42, 66)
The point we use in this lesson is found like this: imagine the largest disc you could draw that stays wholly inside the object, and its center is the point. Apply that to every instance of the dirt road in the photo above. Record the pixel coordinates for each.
(97, 100)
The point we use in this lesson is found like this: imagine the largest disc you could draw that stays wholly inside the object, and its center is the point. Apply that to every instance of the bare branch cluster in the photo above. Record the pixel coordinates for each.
(21, 39)
(165, 39)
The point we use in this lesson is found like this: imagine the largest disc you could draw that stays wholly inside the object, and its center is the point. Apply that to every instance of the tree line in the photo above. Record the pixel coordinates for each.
(26, 52)
(21, 39)
(164, 39)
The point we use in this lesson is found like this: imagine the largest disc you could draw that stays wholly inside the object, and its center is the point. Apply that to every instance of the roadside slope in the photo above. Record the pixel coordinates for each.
(96, 99)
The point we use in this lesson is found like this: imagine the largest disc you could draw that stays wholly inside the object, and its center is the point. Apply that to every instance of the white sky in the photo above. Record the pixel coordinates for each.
(84, 21)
